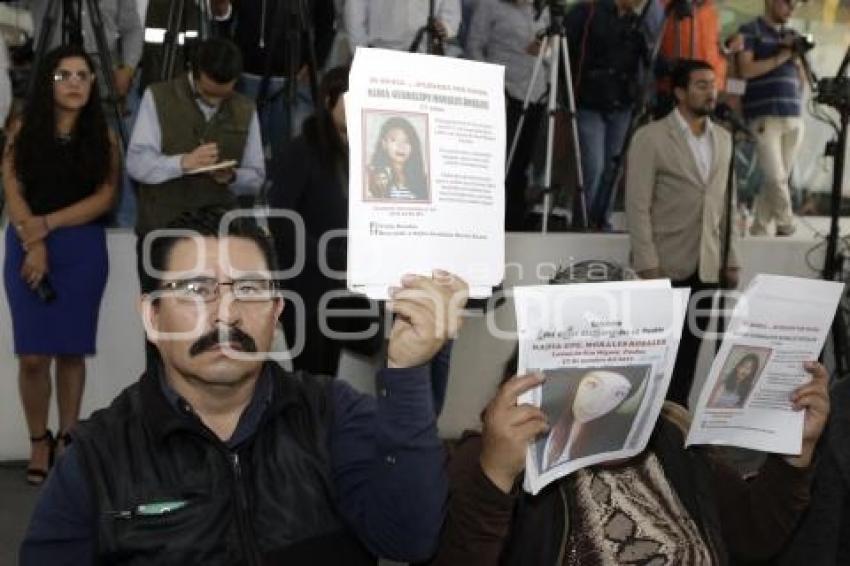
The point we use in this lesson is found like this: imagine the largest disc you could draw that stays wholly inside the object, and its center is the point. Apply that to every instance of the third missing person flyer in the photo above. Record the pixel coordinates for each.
(778, 323)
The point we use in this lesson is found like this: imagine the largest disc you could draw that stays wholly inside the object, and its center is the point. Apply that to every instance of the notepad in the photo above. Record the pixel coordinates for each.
(214, 167)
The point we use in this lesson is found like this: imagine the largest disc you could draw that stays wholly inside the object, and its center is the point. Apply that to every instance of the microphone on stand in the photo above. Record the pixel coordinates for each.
(724, 113)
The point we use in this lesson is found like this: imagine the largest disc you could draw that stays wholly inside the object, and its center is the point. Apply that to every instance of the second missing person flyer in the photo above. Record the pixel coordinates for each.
(607, 351)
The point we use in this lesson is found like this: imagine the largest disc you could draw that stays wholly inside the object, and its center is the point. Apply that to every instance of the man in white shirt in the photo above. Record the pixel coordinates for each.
(676, 186)
(394, 24)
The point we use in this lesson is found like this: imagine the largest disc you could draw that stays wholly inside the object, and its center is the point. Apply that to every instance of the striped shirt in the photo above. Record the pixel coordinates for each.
(779, 92)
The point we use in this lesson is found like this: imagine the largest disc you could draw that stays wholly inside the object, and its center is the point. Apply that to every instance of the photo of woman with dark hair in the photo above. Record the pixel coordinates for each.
(732, 391)
(397, 169)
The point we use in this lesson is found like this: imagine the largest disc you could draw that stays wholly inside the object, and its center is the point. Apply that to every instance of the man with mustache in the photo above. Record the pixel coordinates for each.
(678, 169)
(218, 456)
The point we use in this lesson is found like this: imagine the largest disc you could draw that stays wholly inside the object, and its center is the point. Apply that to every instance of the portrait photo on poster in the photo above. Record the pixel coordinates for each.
(741, 371)
(591, 411)
(397, 161)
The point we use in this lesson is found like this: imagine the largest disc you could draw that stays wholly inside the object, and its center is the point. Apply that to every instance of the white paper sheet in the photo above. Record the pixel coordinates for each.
(427, 157)
(779, 323)
(607, 350)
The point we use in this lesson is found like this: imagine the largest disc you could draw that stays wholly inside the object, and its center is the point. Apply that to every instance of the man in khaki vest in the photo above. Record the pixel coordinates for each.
(191, 123)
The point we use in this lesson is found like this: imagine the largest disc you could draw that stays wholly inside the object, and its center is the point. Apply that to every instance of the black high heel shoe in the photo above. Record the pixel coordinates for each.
(36, 476)
(63, 441)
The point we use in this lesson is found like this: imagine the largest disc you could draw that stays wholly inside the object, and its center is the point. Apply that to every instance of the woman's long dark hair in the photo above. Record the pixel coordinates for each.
(414, 169)
(320, 131)
(35, 144)
(731, 381)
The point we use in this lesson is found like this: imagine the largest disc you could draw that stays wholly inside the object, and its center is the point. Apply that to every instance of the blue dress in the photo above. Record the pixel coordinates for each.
(77, 261)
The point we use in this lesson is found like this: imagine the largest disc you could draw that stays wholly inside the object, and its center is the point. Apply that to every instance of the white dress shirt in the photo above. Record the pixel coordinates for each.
(702, 146)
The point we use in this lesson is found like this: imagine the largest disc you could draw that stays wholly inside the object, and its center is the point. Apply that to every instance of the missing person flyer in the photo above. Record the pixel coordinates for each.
(607, 351)
(778, 323)
(426, 187)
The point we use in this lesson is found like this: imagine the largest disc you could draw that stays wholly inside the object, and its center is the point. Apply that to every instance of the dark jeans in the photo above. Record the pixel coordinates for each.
(686, 360)
(516, 180)
(601, 136)
(274, 117)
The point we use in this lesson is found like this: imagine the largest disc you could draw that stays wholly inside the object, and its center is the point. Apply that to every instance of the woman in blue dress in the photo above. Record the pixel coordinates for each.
(60, 171)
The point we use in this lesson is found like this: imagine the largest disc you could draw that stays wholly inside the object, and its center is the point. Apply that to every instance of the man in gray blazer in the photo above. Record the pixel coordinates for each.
(676, 206)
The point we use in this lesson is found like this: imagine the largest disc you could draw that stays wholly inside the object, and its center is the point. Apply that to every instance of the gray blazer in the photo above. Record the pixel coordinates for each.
(675, 219)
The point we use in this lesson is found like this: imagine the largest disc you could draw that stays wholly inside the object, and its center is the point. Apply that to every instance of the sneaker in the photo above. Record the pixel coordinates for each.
(786, 230)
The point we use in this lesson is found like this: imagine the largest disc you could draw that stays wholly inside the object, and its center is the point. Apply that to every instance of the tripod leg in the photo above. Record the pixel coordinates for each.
(538, 65)
(176, 14)
(551, 110)
(205, 28)
(47, 27)
(105, 58)
(312, 63)
(293, 40)
(581, 197)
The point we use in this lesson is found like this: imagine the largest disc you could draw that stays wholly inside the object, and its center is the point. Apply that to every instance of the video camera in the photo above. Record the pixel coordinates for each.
(557, 8)
(803, 43)
(834, 92)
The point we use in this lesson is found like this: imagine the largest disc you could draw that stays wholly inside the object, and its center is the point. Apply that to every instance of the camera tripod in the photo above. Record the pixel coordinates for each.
(678, 10)
(72, 33)
(554, 37)
(292, 29)
(435, 42)
(176, 26)
(835, 92)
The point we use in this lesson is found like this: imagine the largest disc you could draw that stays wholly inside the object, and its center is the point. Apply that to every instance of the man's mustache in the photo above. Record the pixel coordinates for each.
(220, 337)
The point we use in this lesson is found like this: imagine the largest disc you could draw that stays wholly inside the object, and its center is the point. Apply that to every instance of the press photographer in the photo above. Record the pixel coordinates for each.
(607, 46)
(772, 104)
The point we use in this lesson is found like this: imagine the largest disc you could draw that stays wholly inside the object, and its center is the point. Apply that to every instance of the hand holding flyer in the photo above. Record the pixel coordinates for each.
(607, 351)
(779, 324)
(426, 186)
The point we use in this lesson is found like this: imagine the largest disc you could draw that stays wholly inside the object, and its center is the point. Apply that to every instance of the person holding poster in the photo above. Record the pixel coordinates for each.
(685, 506)
(667, 504)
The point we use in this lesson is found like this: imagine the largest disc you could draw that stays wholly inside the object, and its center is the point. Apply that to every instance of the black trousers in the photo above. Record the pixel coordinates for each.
(516, 180)
(686, 360)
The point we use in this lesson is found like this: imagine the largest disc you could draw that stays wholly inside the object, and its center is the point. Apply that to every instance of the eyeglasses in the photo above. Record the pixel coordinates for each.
(206, 290)
(64, 76)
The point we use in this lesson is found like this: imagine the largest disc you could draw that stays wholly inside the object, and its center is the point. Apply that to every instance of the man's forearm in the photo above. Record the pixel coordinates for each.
(152, 168)
(389, 464)
(479, 513)
(754, 68)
